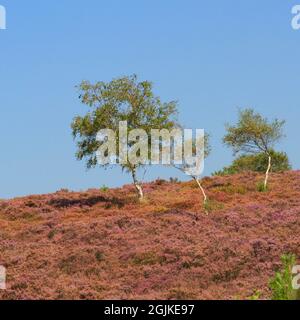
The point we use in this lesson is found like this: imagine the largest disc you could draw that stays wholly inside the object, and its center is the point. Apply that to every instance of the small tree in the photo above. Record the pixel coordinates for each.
(185, 168)
(122, 99)
(254, 134)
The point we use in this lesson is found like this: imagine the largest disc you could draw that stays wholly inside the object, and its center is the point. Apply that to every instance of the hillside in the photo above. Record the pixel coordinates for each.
(107, 245)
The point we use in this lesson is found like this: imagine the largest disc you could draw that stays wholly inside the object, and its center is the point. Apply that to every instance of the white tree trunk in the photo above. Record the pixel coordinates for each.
(137, 185)
(139, 190)
(202, 190)
(267, 172)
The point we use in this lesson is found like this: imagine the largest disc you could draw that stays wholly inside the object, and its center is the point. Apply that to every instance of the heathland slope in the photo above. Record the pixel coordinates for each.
(107, 245)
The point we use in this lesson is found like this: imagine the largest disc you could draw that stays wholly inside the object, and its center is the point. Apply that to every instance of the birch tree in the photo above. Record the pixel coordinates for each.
(185, 167)
(109, 103)
(254, 134)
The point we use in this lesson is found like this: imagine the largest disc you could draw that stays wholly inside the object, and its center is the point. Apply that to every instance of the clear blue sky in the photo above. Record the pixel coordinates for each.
(212, 56)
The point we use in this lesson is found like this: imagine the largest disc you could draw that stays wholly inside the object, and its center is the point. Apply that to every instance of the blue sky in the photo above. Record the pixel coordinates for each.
(211, 56)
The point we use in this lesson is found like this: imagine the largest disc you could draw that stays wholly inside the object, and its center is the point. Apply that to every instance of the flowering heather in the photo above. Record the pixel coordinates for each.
(108, 245)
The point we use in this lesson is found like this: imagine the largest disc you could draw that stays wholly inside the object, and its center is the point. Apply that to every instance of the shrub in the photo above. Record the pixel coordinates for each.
(281, 284)
(146, 258)
(160, 182)
(212, 205)
(257, 163)
(51, 234)
(173, 180)
(233, 189)
(104, 188)
(260, 187)
(99, 256)
(256, 295)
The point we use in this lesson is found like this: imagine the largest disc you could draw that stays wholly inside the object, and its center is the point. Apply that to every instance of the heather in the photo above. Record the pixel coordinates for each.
(105, 244)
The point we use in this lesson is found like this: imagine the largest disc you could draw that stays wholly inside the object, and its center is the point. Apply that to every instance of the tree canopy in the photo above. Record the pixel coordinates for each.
(253, 133)
(109, 103)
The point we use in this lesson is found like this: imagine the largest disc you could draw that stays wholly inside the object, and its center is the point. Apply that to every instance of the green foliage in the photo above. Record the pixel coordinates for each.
(232, 189)
(212, 205)
(99, 256)
(281, 284)
(260, 187)
(253, 133)
(122, 99)
(51, 234)
(104, 188)
(257, 163)
(256, 295)
(226, 171)
(146, 258)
